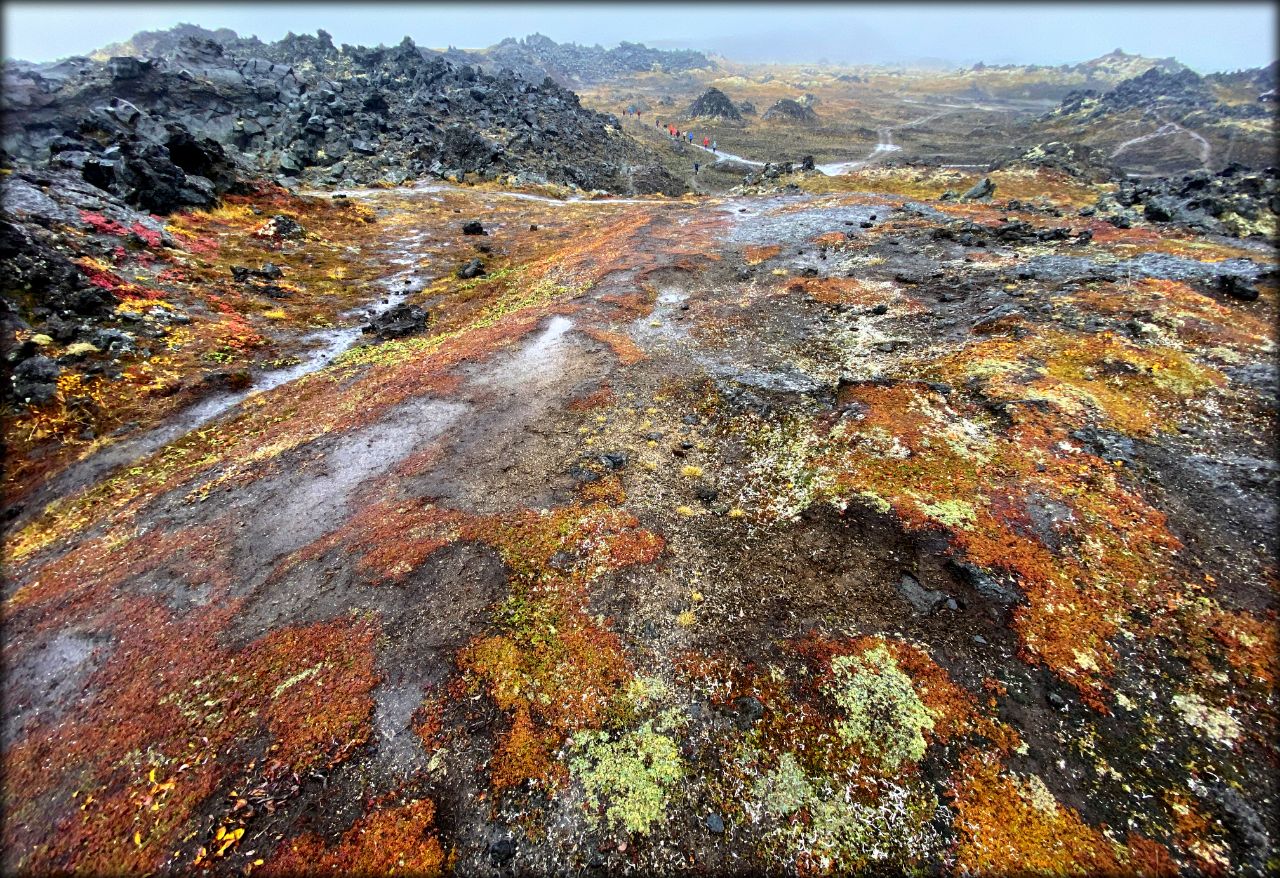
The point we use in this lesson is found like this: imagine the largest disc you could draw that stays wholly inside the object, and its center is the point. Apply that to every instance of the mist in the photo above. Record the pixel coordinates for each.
(1207, 37)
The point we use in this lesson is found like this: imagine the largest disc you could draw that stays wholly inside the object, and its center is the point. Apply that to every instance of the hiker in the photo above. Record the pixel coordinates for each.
(695, 168)
(706, 142)
(691, 137)
(713, 146)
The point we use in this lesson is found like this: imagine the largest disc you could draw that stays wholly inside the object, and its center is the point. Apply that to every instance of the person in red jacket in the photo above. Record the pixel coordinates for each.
(706, 142)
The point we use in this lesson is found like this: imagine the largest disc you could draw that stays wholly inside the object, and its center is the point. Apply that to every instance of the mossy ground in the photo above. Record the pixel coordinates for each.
(617, 576)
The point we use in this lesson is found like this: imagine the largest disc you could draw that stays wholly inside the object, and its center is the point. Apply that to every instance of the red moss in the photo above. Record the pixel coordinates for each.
(602, 397)
(170, 698)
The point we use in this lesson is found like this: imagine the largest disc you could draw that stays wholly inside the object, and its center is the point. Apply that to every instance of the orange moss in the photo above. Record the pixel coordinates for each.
(555, 670)
(1135, 389)
(627, 351)
(940, 465)
(1007, 827)
(756, 254)
(1181, 313)
(852, 291)
(391, 539)
(169, 715)
(954, 710)
(385, 841)
(603, 490)
(1152, 239)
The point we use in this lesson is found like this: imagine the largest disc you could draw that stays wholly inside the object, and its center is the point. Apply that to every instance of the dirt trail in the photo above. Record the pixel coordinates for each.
(1168, 129)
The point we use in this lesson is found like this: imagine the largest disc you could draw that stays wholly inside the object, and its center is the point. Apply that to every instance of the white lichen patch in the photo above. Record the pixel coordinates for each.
(1214, 723)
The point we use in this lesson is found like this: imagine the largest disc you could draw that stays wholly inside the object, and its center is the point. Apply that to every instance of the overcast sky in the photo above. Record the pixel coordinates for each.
(1206, 36)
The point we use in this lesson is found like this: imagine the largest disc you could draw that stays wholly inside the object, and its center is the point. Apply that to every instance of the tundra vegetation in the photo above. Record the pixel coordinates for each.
(834, 523)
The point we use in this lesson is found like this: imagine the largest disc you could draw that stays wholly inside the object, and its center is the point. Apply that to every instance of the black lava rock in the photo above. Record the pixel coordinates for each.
(473, 268)
(398, 322)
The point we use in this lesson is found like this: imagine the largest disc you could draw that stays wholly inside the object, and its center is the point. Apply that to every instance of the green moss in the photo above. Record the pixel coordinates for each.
(883, 714)
(631, 776)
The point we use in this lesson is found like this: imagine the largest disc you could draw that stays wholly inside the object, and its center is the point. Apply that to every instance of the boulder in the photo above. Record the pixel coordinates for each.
(1236, 287)
(398, 322)
(473, 268)
(35, 380)
(984, 188)
(924, 600)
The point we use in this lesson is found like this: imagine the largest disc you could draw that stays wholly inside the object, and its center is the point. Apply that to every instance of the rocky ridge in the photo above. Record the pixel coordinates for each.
(302, 108)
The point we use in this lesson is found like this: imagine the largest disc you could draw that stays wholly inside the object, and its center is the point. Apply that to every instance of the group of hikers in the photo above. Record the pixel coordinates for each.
(676, 134)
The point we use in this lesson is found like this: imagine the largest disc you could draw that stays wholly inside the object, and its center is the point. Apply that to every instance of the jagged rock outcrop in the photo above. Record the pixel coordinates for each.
(304, 108)
(1234, 201)
(714, 104)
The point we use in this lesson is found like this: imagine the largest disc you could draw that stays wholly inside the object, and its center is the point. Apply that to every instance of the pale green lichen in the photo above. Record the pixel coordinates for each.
(955, 514)
(631, 777)
(883, 714)
(844, 830)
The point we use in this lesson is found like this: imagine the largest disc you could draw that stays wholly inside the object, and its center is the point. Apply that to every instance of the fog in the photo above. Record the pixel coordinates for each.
(1207, 37)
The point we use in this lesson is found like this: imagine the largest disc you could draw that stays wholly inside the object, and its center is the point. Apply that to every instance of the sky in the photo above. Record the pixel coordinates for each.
(1206, 36)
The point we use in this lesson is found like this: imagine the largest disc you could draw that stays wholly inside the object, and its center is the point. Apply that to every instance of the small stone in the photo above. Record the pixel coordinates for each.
(924, 600)
(473, 228)
(502, 851)
(980, 640)
(614, 460)
(748, 710)
(952, 605)
(1055, 701)
(715, 823)
(882, 308)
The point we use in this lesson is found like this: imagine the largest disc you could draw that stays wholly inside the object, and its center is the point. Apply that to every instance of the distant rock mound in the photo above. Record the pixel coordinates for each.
(714, 104)
(1119, 65)
(537, 56)
(787, 110)
(164, 43)
(1076, 159)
